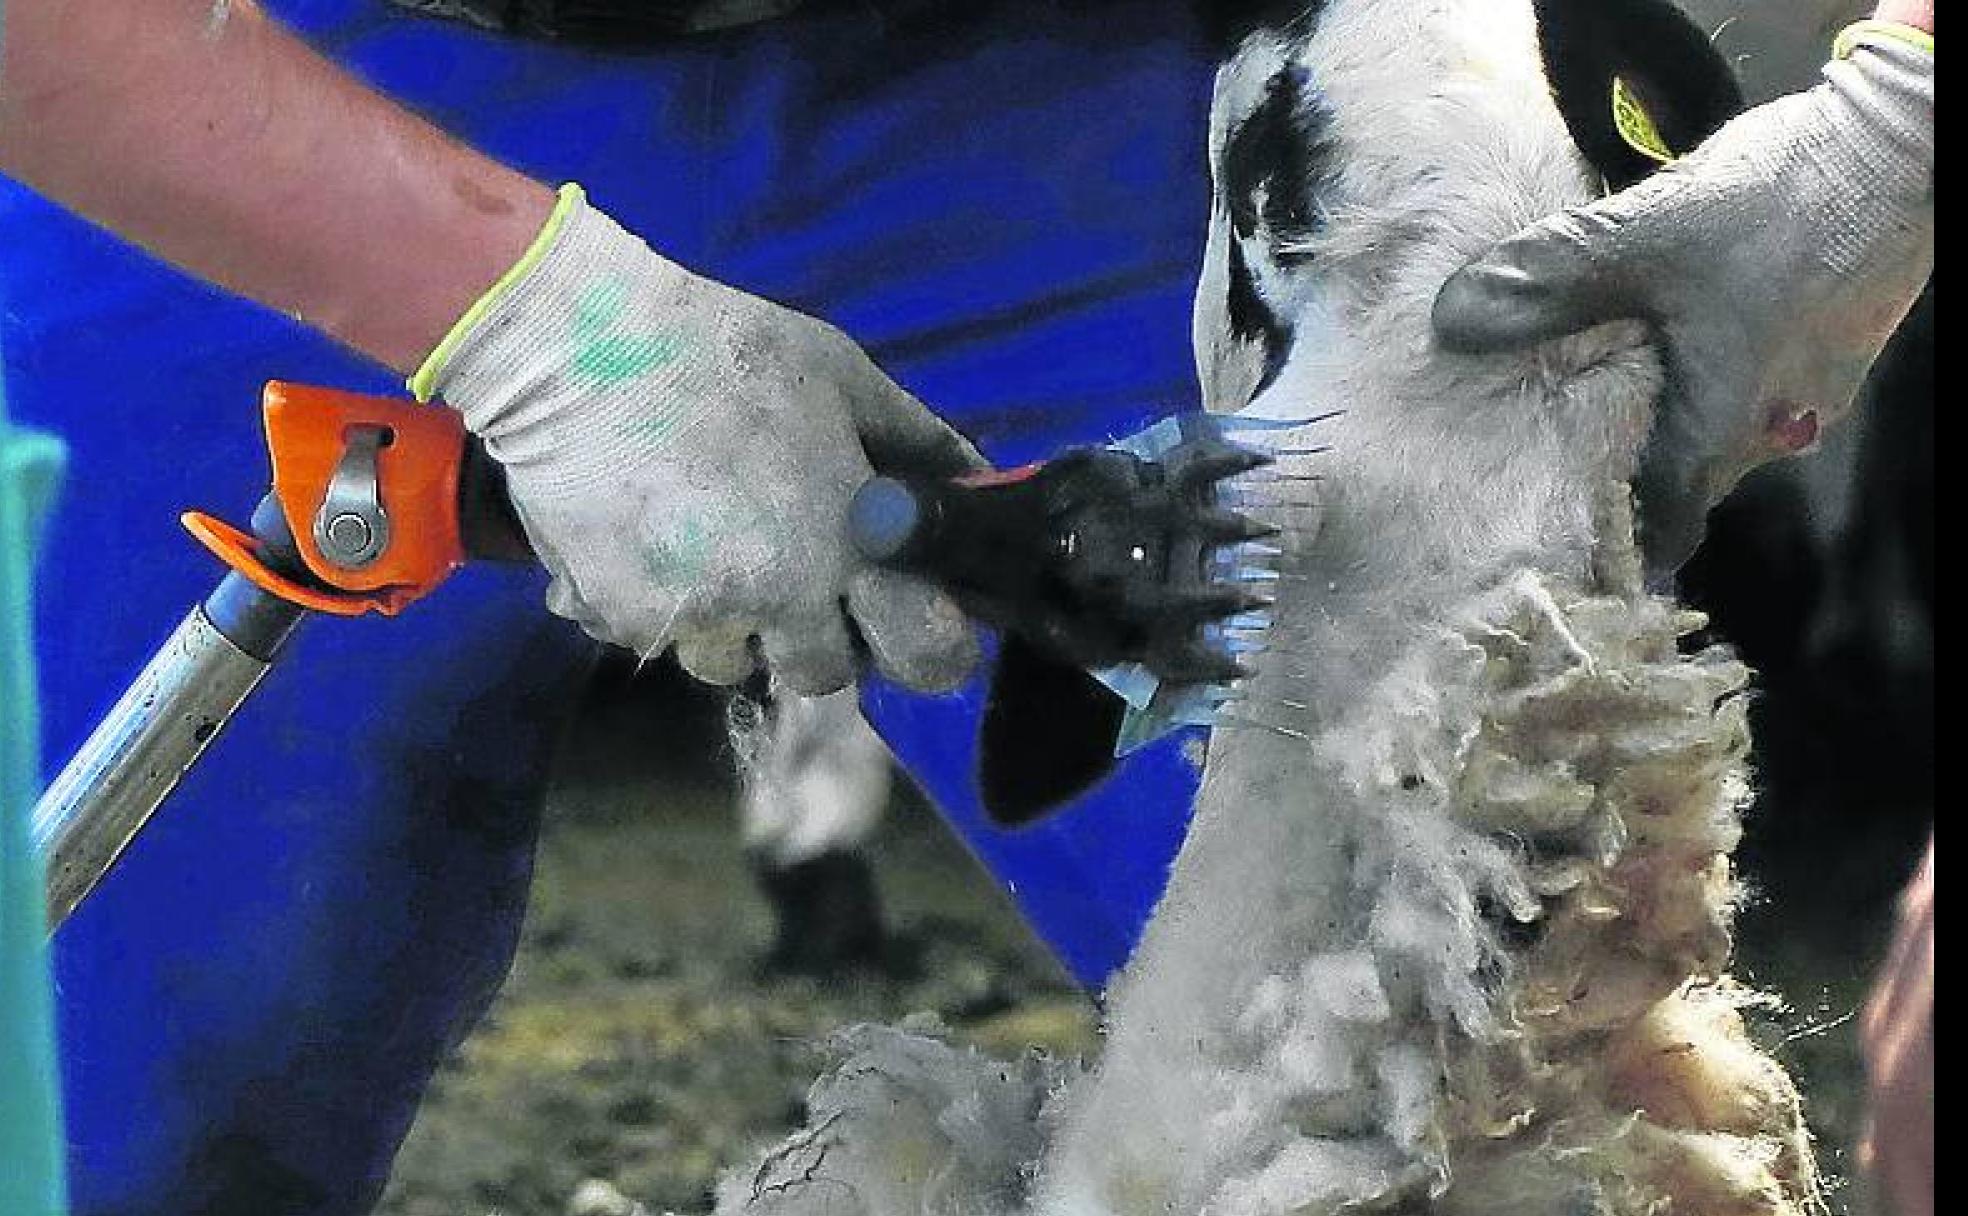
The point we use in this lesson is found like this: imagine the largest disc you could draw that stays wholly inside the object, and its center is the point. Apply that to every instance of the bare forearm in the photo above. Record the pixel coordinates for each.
(1917, 13)
(203, 131)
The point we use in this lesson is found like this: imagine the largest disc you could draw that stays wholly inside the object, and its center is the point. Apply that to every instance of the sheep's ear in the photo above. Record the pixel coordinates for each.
(1047, 737)
(1228, 22)
(1270, 155)
(1637, 82)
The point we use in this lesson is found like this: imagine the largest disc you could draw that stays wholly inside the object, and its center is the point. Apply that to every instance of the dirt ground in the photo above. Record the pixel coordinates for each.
(639, 1040)
(640, 1048)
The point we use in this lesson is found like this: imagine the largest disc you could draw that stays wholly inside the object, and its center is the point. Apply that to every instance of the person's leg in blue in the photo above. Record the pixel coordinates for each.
(1004, 201)
(251, 1005)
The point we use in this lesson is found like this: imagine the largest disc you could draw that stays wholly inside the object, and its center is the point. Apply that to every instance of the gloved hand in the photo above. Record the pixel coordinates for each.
(682, 455)
(1775, 260)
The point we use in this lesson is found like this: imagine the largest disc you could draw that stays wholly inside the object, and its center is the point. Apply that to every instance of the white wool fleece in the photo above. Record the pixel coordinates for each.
(682, 455)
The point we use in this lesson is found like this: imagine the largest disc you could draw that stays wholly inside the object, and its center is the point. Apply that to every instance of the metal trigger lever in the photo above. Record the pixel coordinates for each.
(352, 529)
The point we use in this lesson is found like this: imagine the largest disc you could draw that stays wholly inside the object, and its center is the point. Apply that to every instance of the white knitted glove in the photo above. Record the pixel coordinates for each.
(1775, 260)
(682, 455)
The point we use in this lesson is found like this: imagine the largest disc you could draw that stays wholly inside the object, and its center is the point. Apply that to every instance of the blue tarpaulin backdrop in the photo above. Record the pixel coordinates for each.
(1005, 201)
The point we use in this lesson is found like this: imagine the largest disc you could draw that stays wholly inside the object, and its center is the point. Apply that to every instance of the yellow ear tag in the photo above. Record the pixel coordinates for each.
(1636, 126)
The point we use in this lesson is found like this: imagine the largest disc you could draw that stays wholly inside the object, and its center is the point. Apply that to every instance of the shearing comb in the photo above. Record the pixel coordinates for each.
(1127, 583)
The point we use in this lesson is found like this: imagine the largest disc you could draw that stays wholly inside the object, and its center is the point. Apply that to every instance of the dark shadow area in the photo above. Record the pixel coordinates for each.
(1821, 572)
(644, 1039)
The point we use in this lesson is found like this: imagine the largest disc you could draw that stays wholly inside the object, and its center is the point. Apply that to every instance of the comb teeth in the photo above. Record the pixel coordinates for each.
(1255, 623)
(1215, 460)
(1221, 622)
(1240, 647)
(1231, 527)
(1218, 614)
(1234, 721)
(1214, 603)
(1197, 662)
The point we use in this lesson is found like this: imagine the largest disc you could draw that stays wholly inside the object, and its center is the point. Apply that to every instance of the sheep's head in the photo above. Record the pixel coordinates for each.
(1363, 151)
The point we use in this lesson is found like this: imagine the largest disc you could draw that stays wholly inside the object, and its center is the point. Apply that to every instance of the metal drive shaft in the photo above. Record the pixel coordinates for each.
(378, 550)
(163, 723)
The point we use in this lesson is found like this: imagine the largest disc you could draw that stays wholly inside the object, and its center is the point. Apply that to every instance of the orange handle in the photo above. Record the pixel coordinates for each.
(417, 473)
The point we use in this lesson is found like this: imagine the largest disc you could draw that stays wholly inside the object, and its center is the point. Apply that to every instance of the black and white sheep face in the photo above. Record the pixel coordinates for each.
(1350, 182)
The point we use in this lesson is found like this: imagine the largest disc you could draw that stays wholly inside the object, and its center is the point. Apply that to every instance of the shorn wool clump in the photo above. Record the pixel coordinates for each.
(1450, 930)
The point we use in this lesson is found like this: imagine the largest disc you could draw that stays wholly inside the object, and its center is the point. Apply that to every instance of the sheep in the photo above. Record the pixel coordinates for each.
(813, 781)
(1450, 930)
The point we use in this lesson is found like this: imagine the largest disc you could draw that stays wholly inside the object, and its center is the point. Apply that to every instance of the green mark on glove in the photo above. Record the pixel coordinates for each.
(687, 550)
(683, 553)
(603, 353)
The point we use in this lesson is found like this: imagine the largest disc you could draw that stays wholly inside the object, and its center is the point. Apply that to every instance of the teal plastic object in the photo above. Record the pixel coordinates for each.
(31, 1179)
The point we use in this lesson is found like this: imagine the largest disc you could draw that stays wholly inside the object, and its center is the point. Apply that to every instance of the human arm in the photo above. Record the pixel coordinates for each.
(1897, 1034)
(211, 136)
(1916, 13)
(1774, 261)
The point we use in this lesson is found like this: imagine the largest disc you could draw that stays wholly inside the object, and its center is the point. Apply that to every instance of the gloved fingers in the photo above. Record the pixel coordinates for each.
(565, 602)
(1671, 504)
(1565, 274)
(810, 653)
(641, 623)
(1706, 435)
(917, 634)
(901, 435)
(716, 655)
